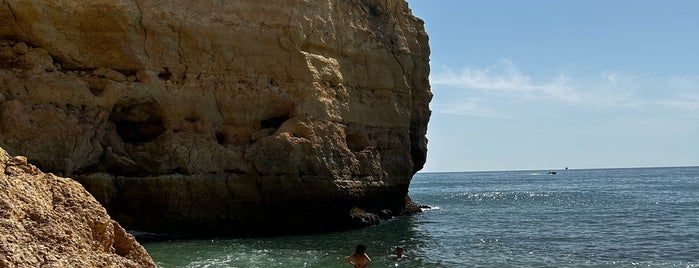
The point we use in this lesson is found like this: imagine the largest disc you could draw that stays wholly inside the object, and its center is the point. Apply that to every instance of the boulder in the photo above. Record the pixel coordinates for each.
(49, 221)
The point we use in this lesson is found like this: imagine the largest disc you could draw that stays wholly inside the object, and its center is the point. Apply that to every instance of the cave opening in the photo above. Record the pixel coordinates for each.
(356, 142)
(221, 137)
(138, 123)
(273, 122)
(165, 74)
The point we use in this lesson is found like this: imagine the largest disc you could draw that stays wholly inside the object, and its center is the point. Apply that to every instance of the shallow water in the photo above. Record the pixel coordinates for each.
(576, 218)
(325, 250)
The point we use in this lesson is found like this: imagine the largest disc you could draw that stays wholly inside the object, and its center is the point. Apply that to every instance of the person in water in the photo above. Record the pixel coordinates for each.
(399, 253)
(359, 259)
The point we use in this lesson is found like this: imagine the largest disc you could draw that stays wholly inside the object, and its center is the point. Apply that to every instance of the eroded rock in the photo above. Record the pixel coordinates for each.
(49, 221)
(224, 117)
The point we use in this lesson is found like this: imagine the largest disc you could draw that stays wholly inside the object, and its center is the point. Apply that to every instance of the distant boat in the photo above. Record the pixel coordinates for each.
(552, 172)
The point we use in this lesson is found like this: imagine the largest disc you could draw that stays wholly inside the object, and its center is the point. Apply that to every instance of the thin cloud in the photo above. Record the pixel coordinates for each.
(686, 102)
(504, 79)
(618, 90)
(477, 92)
(475, 107)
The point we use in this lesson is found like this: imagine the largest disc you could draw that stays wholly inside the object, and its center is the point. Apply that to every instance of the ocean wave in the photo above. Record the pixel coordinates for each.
(427, 208)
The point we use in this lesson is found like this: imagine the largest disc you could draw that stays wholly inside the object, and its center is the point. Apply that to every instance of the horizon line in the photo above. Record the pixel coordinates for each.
(559, 169)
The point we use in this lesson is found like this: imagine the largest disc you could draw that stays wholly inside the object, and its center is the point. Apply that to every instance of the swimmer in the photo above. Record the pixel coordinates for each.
(359, 259)
(399, 253)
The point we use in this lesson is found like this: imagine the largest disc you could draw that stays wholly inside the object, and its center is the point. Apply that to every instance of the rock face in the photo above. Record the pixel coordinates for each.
(226, 117)
(49, 221)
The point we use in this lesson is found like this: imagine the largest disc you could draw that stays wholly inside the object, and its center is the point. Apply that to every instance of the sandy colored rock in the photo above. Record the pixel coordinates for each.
(49, 221)
(224, 117)
(114, 75)
(20, 48)
(100, 71)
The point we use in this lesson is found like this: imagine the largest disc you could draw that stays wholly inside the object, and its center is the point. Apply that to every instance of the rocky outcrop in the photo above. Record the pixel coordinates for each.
(49, 221)
(226, 117)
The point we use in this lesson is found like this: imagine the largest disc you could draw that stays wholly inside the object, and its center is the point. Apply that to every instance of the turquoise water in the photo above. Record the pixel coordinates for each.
(576, 218)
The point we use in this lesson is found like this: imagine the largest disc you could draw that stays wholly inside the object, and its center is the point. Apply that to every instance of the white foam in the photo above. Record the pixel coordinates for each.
(429, 208)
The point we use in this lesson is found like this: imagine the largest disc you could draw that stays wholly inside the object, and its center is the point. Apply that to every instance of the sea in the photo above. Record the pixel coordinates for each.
(637, 217)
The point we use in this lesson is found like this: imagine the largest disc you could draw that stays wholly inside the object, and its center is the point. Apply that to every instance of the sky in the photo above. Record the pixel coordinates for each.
(544, 85)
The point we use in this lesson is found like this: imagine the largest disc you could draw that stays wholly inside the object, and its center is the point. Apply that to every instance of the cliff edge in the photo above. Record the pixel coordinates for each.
(49, 221)
(231, 117)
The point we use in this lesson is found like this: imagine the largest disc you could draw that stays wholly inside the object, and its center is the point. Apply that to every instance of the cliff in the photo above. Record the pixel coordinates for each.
(49, 221)
(221, 117)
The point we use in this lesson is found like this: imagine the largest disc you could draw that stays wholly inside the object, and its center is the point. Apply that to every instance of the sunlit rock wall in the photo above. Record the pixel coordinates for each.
(221, 116)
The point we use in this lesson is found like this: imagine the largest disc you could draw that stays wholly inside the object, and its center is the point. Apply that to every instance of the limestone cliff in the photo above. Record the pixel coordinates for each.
(220, 116)
(48, 221)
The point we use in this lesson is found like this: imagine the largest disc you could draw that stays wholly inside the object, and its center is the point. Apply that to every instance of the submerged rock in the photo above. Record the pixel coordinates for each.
(217, 117)
(49, 221)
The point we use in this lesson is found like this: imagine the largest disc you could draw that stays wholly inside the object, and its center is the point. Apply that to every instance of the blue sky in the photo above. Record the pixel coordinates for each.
(522, 85)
